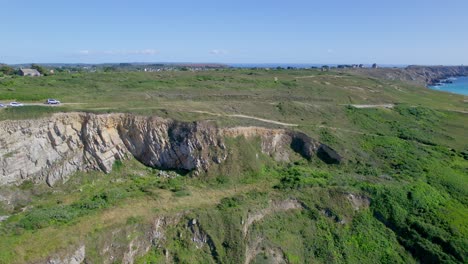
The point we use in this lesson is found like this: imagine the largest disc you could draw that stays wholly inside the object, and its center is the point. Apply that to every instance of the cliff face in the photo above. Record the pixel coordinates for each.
(53, 148)
(278, 142)
(431, 75)
(421, 75)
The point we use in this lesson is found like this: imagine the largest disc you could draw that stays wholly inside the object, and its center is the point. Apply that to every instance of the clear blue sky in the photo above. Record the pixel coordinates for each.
(236, 31)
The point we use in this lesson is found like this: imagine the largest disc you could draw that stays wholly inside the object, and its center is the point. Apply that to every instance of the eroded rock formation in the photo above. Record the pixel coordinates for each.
(51, 149)
(278, 142)
(421, 75)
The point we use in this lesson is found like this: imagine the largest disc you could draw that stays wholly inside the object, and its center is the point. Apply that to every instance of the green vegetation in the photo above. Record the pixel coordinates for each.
(28, 112)
(39, 68)
(400, 196)
(6, 70)
(294, 177)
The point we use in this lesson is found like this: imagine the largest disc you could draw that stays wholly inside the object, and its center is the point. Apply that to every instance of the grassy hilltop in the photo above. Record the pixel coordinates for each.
(399, 196)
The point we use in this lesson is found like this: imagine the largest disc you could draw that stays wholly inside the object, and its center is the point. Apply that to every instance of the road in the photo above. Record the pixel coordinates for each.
(7, 104)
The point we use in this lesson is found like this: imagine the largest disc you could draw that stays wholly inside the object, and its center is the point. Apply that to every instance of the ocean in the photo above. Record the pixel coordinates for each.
(459, 86)
(300, 65)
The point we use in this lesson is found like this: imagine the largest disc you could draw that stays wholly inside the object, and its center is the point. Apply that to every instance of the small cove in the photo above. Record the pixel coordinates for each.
(458, 85)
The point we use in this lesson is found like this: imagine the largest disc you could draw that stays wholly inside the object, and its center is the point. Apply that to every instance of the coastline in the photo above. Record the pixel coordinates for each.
(455, 85)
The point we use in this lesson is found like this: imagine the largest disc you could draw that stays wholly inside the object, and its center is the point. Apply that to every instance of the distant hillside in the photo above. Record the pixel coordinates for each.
(421, 75)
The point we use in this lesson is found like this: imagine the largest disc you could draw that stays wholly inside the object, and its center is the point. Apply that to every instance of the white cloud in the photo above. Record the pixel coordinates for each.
(149, 52)
(218, 52)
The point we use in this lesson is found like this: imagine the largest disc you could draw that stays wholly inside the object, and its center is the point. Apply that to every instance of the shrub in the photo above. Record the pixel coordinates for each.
(43, 217)
(296, 177)
(230, 202)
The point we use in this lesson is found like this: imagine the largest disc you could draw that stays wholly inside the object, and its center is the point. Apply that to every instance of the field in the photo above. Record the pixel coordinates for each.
(406, 165)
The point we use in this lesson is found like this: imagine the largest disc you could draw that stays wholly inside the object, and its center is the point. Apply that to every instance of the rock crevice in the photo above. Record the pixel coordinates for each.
(51, 149)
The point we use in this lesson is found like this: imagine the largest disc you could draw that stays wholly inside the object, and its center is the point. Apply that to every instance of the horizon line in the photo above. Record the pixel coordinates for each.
(231, 63)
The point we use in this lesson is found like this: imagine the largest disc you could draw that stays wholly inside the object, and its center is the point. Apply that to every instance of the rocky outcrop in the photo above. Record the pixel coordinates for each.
(421, 75)
(255, 246)
(278, 142)
(201, 239)
(433, 74)
(274, 207)
(358, 201)
(269, 254)
(51, 149)
(77, 257)
(125, 244)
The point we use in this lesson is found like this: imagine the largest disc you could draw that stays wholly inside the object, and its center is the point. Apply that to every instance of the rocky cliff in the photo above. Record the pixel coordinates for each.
(51, 149)
(433, 74)
(278, 142)
(421, 75)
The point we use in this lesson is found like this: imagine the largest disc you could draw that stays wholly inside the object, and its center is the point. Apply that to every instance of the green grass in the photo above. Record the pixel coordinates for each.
(317, 98)
(410, 162)
(28, 112)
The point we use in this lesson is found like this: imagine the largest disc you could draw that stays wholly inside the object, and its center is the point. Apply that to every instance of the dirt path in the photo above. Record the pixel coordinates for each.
(458, 111)
(217, 114)
(248, 117)
(306, 77)
(388, 106)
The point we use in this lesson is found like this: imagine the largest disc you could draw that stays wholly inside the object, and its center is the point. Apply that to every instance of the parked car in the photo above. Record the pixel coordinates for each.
(2, 105)
(52, 101)
(15, 104)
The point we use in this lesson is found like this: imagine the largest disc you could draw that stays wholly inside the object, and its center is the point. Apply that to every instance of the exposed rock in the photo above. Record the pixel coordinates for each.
(358, 201)
(273, 255)
(274, 142)
(51, 149)
(11, 199)
(201, 238)
(125, 244)
(332, 215)
(153, 236)
(134, 249)
(76, 257)
(278, 142)
(276, 206)
(328, 155)
(159, 226)
(167, 144)
(255, 247)
(422, 75)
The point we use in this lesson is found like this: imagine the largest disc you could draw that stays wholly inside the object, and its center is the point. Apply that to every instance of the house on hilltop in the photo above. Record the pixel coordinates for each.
(29, 72)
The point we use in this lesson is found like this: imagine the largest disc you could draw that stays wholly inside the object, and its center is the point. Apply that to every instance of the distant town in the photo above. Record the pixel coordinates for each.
(52, 68)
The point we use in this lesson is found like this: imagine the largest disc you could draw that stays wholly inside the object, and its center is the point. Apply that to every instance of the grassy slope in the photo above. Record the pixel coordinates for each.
(410, 160)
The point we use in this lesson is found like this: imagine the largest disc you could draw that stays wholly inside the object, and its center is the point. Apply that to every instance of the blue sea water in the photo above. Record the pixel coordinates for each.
(274, 65)
(459, 86)
(299, 65)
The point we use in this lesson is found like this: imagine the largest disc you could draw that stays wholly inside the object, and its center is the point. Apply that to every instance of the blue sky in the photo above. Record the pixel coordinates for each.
(240, 31)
